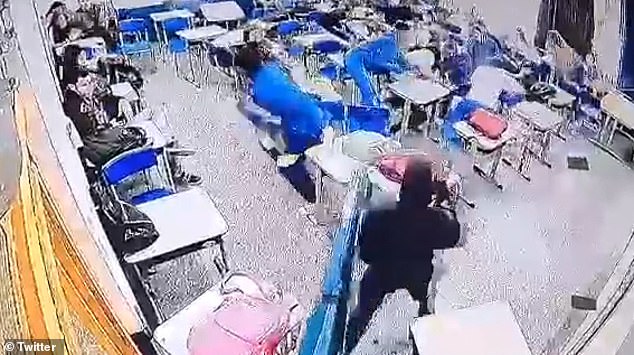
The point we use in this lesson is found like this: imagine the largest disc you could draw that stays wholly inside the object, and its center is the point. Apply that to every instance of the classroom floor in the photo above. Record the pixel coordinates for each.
(533, 244)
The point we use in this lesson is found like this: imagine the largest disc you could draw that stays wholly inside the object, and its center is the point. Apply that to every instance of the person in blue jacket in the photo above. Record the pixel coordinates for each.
(303, 120)
(381, 56)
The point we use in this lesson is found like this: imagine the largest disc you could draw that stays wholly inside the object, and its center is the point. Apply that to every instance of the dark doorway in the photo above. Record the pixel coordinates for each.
(573, 19)
(626, 71)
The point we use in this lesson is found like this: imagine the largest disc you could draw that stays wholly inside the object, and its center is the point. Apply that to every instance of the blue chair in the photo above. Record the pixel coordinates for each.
(142, 178)
(139, 176)
(289, 28)
(134, 37)
(371, 119)
(143, 13)
(175, 44)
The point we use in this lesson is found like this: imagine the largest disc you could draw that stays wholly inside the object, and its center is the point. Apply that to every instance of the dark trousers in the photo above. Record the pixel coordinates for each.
(375, 285)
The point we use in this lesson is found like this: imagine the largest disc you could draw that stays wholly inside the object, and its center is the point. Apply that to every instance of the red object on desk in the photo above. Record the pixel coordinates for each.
(489, 124)
(393, 167)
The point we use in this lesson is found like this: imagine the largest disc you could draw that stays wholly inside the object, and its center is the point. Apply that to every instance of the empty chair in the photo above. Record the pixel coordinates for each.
(134, 38)
(182, 218)
(175, 44)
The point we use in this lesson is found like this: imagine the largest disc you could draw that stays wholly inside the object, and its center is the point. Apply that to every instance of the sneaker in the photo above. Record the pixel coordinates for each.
(191, 179)
(286, 160)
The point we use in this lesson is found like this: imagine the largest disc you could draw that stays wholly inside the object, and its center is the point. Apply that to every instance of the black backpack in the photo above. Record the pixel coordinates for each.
(106, 144)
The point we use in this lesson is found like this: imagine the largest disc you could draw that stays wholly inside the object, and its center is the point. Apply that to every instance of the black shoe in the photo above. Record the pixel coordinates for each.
(188, 179)
(192, 180)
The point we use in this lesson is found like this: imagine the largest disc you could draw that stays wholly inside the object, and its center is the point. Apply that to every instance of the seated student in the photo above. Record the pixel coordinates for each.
(88, 18)
(57, 22)
(82, 104)
(70, 66)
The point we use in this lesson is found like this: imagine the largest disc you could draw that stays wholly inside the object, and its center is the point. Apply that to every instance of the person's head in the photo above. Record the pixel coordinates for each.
(84, 83)
(250, 58)
(417, 187)
(58, 16)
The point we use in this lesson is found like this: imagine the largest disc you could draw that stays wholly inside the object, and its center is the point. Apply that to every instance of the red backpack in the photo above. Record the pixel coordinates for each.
(489, 124)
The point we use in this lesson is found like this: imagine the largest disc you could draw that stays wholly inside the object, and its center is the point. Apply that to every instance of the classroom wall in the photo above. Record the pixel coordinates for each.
(63, 170)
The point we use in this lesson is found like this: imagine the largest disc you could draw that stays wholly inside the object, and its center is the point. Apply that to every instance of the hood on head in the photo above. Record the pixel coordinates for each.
(417, 186)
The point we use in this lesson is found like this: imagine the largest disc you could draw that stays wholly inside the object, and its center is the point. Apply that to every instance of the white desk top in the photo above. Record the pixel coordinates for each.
(201, 33)
(229, 39)
(310, 39)
(222, 11)
(89, 42)
(168, 15)
(124, 90)
(620, 108)
(84, 43)
(338, 59)
(182, 219)
(419, 91)
(152, 131)
(538, 115)
(359, 28)
(489, 329)
(335, 164)
(172, 335)
(135, 4)
(322, 89)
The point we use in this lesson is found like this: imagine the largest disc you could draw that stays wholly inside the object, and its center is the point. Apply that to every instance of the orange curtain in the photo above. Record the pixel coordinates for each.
(54, 293)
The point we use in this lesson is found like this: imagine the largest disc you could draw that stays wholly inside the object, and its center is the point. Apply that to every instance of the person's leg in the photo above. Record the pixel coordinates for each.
(180, 176)
(371, 293)
(419, 291)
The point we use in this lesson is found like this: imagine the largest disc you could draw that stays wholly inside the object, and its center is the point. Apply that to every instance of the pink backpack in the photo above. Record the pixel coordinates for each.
(245, 323)
(393, 167)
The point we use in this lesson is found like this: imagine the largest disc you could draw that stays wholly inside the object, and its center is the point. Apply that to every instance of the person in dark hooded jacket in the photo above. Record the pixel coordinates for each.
(398, 245)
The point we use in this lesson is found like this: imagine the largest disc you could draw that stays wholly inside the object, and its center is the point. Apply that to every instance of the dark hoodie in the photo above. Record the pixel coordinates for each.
(399, 241)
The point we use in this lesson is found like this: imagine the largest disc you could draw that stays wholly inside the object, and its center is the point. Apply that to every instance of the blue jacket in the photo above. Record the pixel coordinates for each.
(381, 56)
(302, 118)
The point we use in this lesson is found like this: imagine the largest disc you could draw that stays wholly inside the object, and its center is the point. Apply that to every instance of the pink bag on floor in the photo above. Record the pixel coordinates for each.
(243, 324)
